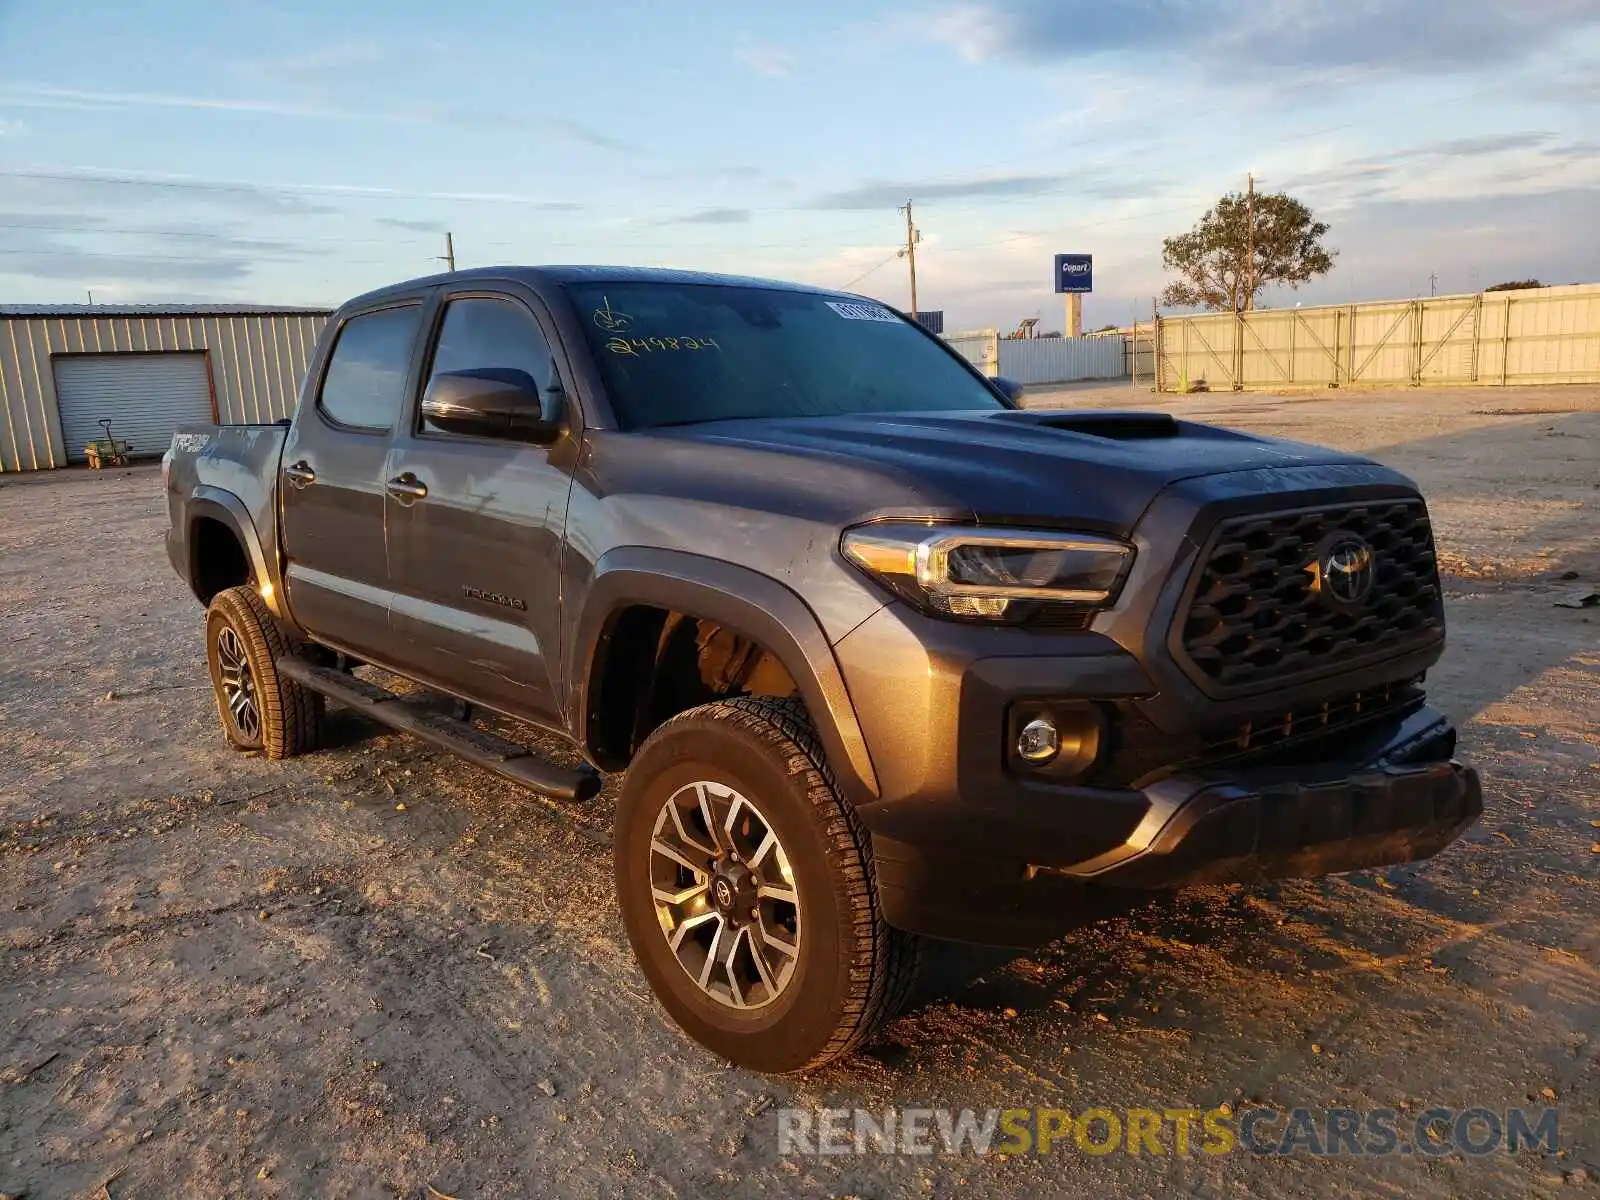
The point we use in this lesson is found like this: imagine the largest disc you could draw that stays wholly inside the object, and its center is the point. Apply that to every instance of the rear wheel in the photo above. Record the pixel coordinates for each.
(259, 709)
(748, 892)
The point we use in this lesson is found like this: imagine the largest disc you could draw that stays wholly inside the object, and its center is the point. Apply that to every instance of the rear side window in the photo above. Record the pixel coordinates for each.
(365, 383)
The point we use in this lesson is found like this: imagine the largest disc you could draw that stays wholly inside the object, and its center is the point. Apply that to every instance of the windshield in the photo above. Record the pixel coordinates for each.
(673, 354)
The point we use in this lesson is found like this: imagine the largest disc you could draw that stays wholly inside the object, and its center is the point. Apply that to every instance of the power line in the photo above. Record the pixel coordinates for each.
(846, 287)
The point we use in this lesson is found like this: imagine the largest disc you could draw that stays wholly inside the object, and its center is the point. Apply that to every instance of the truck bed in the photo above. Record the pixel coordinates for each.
(234, 467)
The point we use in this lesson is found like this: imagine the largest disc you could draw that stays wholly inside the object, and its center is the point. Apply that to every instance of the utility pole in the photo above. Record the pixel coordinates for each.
(1433, 284)
(91, 294)
(909, 253)
(449, 255)
(1248, 300)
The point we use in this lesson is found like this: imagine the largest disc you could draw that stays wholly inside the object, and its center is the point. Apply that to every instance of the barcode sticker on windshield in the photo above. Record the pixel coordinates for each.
(862, 312)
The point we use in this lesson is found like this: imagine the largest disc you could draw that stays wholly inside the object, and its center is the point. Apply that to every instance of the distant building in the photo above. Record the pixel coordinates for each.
(146, 368)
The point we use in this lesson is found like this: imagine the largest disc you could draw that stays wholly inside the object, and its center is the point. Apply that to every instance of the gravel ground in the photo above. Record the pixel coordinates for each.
(375, 971)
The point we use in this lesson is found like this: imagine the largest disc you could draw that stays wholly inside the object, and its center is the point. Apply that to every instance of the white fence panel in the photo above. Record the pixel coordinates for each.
(1062, 360)
(978, 347)
(1545, 335)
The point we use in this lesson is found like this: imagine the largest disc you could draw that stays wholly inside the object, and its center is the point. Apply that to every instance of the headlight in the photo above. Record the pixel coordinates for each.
(989, 573)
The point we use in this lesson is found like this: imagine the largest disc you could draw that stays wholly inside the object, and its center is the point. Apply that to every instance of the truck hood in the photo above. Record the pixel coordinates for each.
(1090, 468)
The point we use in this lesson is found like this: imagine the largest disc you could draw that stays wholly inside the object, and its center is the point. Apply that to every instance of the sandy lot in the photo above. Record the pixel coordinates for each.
(374, 971)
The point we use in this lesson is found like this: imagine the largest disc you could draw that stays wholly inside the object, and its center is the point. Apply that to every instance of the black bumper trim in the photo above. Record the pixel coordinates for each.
(1405, 803)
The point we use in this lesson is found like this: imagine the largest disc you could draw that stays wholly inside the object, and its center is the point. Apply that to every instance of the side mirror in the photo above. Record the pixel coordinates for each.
(1009, 388)
(495, 402)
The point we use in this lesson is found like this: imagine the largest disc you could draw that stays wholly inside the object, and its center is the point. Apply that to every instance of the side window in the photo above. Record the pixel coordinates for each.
(365, 383)
(481, 332)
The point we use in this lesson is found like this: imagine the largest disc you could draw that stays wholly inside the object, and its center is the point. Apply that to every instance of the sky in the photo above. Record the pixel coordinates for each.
(272, 151)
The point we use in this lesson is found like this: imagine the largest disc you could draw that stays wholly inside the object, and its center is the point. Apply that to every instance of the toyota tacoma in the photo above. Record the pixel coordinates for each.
(883, 654)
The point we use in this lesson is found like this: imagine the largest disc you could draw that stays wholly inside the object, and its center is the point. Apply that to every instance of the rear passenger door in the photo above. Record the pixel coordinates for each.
(334, 471)
(475, 554)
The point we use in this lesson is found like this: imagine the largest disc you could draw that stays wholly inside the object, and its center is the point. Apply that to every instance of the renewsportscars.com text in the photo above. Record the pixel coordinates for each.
(1375, 1132)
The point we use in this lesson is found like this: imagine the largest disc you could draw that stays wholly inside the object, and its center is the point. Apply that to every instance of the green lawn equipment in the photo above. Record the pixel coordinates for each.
(107, 451)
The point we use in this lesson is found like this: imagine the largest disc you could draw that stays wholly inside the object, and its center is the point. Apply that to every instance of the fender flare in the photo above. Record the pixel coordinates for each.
(219, 505)
(746, 601)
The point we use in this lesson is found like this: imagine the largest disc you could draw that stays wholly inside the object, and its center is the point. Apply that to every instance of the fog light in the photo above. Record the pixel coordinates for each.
(1039, 741)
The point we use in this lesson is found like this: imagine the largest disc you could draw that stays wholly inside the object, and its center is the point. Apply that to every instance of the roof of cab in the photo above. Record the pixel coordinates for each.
(590, 274)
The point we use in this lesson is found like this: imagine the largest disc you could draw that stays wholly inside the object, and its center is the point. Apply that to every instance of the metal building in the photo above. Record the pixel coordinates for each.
(146, 368)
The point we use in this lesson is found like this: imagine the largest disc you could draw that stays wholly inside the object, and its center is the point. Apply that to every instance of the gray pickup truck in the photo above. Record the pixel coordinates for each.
(883, 654)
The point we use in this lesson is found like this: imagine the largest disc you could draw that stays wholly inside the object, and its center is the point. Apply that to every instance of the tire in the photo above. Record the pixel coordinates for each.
(762, 771)
(281, 717)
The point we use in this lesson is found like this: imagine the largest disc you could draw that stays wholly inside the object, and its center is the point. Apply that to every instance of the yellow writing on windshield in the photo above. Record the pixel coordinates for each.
(640, 346)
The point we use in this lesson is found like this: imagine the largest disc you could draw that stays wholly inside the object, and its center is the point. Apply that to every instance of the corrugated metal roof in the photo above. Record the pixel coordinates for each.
(156, 310)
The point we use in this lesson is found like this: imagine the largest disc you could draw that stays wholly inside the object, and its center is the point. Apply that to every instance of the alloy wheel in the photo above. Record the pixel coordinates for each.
(238, 683)
(725, 895)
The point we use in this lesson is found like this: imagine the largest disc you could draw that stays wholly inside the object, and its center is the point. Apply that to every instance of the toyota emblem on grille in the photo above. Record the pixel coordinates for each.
(1344, 569)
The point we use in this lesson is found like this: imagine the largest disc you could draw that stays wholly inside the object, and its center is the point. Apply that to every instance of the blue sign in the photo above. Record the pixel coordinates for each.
(1074, 272)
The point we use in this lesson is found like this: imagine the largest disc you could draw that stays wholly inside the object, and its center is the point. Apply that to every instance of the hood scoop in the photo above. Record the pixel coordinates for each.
(1117, 426)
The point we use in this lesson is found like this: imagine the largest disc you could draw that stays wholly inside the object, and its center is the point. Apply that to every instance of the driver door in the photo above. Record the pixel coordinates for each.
(475, 547)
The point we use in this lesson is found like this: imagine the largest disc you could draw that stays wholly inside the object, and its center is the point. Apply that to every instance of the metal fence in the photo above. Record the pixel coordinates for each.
(1062, 360)
(1042, 360)
(1139, 352)
(1547, 335)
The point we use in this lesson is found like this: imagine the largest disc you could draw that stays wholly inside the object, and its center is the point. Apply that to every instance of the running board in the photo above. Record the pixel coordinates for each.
(479, 747)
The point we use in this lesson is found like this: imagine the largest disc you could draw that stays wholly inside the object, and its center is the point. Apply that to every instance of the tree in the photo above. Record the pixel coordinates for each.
(1214, 259)
(1515, 285)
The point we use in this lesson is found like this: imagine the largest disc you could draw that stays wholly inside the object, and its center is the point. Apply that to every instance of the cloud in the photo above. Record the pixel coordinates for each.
(712, 216)
(318, 66)
(80, 190)
(763, 59)
(27, 96)
(84, 267)
(47, 220)
(67, 254)
(1388, 242)
(411, 226)
(1387, 37)
(321, 107)
(880, 194)
(278, 196)
(1475, 147)
(1514, 162)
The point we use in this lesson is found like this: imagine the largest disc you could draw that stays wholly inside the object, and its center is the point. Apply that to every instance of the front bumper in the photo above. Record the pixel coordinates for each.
(1022, 886)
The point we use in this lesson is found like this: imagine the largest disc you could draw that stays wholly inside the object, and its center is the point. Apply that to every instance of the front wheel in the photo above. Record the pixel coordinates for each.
(748, 892)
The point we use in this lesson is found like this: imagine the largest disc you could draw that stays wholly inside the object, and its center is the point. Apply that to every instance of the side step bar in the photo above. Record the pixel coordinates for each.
(479, 747)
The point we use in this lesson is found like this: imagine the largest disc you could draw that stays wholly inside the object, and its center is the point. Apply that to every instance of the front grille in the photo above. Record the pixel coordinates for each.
(1141, 752)
(1293, 726)
(1257, 614)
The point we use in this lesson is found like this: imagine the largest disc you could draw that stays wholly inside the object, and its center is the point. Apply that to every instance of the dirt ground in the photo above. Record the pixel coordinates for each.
(375, 971)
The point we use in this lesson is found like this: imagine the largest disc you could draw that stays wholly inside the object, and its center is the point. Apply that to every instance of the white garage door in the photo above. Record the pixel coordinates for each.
(147, 396)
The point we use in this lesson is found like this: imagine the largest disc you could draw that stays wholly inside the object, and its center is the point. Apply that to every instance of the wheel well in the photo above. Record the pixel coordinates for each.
(658, 663)
(217, 559)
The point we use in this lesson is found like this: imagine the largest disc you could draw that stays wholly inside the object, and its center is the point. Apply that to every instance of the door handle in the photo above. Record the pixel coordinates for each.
(406, 488)
(300, 474)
